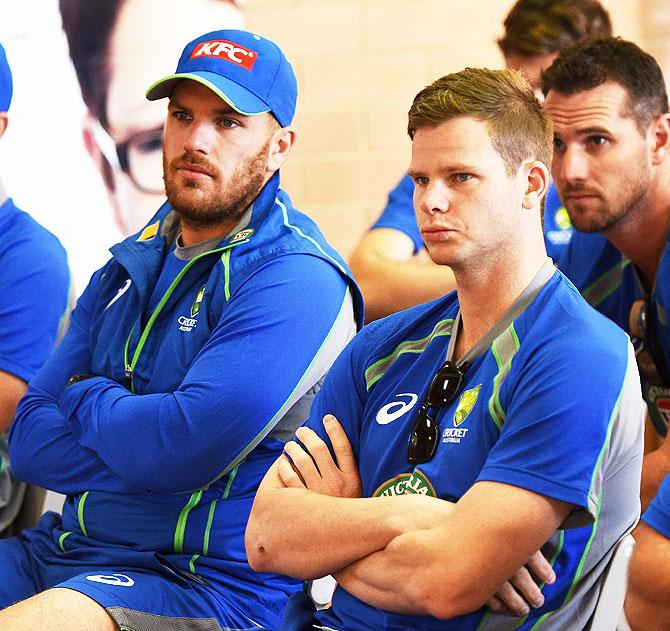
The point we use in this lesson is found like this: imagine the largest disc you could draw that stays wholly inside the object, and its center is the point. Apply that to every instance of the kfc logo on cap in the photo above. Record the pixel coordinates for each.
(230, 51)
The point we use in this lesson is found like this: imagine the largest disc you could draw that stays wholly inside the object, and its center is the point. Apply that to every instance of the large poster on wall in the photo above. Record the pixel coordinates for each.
(82, 153)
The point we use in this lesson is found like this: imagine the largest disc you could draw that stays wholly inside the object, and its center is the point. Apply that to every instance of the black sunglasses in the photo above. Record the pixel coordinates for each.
(426, 430)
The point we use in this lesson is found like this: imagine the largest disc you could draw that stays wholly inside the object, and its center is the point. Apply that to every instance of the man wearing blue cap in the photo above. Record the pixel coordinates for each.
(35, 283)
(192, 356)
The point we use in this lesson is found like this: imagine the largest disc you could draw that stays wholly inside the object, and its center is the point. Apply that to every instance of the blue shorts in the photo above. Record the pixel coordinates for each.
(139, 589)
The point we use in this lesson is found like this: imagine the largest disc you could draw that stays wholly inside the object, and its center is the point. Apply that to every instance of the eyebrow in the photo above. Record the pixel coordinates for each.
(221, 111)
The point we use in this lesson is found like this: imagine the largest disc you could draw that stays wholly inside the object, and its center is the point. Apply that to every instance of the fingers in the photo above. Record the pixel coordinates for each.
(526, 586)
(511, 599)
(344, 454)
(496, 605)
(318, 450)
(302, 462)
(287, 474)
(541, 568)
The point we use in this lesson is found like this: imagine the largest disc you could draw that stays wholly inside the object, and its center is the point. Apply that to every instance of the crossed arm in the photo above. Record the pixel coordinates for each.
(402, 553)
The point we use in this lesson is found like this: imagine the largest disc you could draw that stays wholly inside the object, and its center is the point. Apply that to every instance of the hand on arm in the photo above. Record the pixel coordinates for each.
(427, 572)
(331, 527)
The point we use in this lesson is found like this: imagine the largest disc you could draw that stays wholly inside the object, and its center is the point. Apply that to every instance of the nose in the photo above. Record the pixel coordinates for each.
(571, 165)
(200, 137)
(431, 198)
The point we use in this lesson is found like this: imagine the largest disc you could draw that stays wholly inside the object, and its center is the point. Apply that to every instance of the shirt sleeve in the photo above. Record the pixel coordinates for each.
(43, 449)
(35, 284)
(658, 514)
(562, 419)
(238, 387)
(399, 213)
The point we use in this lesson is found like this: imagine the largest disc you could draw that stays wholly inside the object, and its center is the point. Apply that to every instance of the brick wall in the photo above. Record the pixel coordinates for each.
(359, 64)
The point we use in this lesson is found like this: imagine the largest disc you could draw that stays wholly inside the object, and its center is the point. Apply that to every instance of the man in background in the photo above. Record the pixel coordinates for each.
(35, 284)
(117, 48)
(390, 262)
(607, 99)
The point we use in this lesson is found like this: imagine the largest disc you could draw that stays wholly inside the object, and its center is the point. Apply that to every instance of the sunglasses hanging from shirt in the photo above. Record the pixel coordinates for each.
(446, 383)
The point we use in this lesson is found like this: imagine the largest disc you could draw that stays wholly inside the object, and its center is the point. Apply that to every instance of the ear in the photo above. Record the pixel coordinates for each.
(280, 146)
(659, 131)
(536, 181)
(4, 121)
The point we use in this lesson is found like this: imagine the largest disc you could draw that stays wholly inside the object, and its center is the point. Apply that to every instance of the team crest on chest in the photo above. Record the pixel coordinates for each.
(410, 482)
(242, 235)
(465, 405)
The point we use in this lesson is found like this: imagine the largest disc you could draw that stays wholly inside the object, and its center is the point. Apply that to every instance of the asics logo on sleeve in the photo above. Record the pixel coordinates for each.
(119, 293)
(112, 579)
(393, 411)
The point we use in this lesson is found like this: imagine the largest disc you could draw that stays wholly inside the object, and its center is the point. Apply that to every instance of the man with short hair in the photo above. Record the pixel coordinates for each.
(609, 106)
(390, 262)
(35, 285)
(454, 457)
(117, 47)
(191, 357)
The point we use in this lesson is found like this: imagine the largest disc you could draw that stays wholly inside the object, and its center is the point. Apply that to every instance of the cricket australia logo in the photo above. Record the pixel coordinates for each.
(189, 323)
(411, 482)
(195, 307)
(464, 407)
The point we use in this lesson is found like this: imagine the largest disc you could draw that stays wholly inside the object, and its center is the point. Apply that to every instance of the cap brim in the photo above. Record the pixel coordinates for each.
(239, 98)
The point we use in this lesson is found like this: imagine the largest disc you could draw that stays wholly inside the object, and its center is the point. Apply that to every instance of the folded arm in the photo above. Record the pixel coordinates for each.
(255, 364)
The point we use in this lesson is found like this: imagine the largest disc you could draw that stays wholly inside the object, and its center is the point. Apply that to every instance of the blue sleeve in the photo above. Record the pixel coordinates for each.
(35, 284)
(235, 391)
(658, 514)
(43, 449)
(399, 213)
(549, 409)
(344, 393)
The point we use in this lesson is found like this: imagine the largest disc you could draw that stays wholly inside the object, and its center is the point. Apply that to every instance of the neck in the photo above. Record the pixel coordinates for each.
(641, 236)
(485, 296)
(191, 234)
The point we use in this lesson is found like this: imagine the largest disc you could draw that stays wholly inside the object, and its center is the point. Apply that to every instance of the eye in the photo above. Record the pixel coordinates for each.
(180, 115)
(229, 123)
(462, 177)
(420, 180)
(598, 141)
(558, 144)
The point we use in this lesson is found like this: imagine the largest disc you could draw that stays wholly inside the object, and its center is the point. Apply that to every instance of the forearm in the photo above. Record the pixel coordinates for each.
(648, 596)
(11, 390)
(320, 534)
(389, 285)
(43, 451)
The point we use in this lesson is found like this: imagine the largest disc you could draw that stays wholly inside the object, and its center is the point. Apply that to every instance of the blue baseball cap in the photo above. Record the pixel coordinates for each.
(6, 85)
(247, 71)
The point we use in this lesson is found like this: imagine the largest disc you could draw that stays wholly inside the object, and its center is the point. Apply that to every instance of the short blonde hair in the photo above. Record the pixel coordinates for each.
(503, 99)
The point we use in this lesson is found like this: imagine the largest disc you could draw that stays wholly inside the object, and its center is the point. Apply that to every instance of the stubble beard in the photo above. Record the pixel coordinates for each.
(228, 201)
(606, 216)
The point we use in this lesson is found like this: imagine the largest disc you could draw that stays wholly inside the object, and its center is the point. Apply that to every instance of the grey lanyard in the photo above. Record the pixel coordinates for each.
(518, 306)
